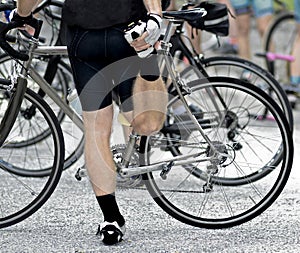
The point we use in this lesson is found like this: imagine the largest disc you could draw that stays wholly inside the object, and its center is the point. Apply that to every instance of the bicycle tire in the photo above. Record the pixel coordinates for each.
(62, 81)
(234, 67)
(22, 195)
(179, 190)
(279, 38)
(237, 68)
(231, 67)
(228, 181)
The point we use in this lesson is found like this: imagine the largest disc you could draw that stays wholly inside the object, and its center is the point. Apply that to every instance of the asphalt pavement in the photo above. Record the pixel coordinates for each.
(68, 223)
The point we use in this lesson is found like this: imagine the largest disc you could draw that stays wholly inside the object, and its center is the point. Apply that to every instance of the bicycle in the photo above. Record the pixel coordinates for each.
(56, 71)
(228, 106)
(234, 63)
(58, 74)
(14, 97)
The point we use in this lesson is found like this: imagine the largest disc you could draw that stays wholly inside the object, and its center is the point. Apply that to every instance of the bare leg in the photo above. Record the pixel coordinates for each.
(243, 23)
(172, 6)
(98, 157)
(262, 24)
(295, 66)
(233, 28)
(150, 100)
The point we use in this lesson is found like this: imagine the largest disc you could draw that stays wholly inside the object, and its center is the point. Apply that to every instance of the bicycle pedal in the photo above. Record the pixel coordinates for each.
(166, 169)
(80, 173)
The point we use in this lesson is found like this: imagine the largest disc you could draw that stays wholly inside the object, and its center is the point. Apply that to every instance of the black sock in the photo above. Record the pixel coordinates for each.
(110, 209)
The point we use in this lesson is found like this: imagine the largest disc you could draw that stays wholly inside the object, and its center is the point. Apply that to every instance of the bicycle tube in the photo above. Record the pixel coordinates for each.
(56, 66)
(13, 108)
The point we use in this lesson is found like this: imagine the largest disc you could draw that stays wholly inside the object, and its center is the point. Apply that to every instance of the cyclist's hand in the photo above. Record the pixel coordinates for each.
(22, 21)
(153, 28)
(15, 17)
(151, 34)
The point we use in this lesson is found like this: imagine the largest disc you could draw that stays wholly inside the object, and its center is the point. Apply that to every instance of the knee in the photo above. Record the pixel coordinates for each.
(143, 126)
(95, 128)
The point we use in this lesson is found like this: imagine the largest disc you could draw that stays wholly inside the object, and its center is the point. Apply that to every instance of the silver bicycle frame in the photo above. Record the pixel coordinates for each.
(47, 88)
(124, 171)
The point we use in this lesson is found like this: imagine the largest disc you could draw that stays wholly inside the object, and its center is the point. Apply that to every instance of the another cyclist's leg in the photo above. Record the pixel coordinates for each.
(263, 12)
(230, 45)
(295, 66)
(243, 18)
(194, 35)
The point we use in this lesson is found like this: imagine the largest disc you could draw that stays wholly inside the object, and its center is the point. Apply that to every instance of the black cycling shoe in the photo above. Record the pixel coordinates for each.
(110, 232)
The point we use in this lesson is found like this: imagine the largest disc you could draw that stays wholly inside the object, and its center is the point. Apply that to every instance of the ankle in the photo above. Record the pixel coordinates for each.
(110, 209)
(295, 81)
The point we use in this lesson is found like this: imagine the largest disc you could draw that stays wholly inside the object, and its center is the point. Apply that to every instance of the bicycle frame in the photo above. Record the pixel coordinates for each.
(180, 86)
(178, 83)
(193, 58)
(46, 87)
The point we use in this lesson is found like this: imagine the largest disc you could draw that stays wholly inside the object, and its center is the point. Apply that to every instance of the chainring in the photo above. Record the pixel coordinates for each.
(134, 181)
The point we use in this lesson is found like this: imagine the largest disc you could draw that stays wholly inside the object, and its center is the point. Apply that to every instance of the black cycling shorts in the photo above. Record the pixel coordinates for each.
(104, 64)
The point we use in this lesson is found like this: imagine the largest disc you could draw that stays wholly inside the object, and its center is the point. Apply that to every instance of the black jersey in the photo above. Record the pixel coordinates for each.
(97, 14)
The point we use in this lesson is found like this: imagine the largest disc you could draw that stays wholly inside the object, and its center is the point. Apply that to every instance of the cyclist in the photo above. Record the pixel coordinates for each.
(96, 46)
(262, 11)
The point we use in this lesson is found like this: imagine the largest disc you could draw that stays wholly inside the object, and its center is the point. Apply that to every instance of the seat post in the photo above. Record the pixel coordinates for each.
(168, 32)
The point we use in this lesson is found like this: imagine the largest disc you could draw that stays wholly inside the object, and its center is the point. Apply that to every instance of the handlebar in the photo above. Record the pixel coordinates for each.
(6, 27)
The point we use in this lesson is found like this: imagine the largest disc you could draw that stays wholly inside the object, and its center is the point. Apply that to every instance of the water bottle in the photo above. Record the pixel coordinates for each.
(74, 101)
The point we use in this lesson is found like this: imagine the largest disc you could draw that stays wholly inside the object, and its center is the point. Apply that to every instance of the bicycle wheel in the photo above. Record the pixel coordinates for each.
(235, 67)
(250, 72)
(21, 196)
(229, 67)
(205, 201)
(279, 38)
(58, 73)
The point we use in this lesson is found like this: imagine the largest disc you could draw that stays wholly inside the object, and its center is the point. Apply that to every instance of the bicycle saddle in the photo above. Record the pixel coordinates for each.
(211, 17)
(187, 15)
